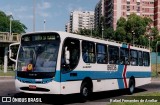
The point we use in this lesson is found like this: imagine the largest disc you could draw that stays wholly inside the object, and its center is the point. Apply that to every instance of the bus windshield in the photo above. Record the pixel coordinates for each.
(38, 55)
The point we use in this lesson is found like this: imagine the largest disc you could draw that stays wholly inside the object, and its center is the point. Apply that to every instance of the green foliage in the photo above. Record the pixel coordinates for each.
(129, 37)
(120, 34)
(109, 33)
(121, 22)
(154, 31)
(142, 40)
(17, 26)
(153, 44)
(137, 25)
(4, 23)
(135, 29)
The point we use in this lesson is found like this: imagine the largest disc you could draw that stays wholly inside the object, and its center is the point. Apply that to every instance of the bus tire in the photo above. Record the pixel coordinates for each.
(85, 90)
(131, 85)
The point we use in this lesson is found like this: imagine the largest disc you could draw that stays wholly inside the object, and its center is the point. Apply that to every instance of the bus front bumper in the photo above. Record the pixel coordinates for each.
(52, 87)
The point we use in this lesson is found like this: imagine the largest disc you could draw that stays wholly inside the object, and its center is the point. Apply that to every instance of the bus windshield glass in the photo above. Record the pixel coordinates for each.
(38, 53)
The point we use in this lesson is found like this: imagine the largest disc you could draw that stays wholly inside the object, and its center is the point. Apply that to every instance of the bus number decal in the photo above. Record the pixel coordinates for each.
(86, 66)
(111, 67)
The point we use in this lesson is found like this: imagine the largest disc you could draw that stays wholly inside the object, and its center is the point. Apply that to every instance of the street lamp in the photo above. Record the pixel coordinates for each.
(133, 33)
(102, 30)
(149, 42)
(157, 57)
(91, 29)
(10, 26)
(44, 25)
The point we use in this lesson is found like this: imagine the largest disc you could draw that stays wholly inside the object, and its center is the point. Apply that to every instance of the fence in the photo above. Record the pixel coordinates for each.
(153, 58)
(6, 37)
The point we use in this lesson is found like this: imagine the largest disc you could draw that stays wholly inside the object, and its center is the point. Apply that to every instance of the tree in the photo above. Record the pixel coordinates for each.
(153, 45)
(136, 28)
(121, 22)
(142, 40)
(135, 24)
(120, 34)
(154, 32)
(85, 32)
(17, 26)
(109, 33)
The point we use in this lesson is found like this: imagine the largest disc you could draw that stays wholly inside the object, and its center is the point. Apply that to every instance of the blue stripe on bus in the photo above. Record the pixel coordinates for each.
(120, 81)
(100, 75)
(92, 74)
(138, 74)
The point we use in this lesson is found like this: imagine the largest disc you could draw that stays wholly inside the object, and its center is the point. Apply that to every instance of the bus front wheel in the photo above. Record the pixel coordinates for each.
(86, 90)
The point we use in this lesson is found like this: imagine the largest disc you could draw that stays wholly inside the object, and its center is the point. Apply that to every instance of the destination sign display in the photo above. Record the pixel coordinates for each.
(40, 37)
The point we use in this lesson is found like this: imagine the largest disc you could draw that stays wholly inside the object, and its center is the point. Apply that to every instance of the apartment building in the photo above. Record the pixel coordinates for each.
(81, 20)
(67, 27)
(157, 14)
(99, 12)
(114, 9)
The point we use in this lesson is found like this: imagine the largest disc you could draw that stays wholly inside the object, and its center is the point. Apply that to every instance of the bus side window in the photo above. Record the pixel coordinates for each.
(113, 54)
(133, 57)
(146, 59)
(88, 52)
(72, 46)
(140, 58)
(124, 56)
(102, 57)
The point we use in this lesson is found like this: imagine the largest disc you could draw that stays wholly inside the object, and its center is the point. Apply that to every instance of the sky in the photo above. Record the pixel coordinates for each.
(55, 13)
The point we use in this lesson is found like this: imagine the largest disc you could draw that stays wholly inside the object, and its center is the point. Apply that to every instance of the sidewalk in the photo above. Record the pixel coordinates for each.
(155, 79)
(6, 77)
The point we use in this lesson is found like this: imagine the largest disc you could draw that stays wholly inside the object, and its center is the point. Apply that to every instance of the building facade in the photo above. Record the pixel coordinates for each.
(114, 9)
(81, 20)
(67, 27)
(157, 14)
(99, 12)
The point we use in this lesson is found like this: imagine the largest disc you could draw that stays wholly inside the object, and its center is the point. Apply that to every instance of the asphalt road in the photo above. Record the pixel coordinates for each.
(7, 89)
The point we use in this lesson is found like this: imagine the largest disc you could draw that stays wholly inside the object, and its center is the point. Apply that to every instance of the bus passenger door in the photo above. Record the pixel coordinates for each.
(70, 58)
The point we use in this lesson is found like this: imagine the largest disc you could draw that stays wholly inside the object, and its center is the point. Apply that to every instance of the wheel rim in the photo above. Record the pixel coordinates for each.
(132, 87)
(85, 91)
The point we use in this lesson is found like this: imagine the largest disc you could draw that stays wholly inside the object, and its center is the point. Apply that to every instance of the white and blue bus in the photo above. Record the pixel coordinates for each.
(65, 63)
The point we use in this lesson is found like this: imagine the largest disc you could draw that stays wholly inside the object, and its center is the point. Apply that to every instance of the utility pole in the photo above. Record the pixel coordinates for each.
(91, 29)
(149, 42)
(34, 14)
(10, 28)
(157, 58)
(133, 34)
(102, 30)
(44, 25)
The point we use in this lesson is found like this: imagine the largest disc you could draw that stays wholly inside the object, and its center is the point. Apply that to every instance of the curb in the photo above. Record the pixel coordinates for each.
(6, 77)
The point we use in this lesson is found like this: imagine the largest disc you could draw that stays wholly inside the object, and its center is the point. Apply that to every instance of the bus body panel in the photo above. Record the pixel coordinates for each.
(70, 87)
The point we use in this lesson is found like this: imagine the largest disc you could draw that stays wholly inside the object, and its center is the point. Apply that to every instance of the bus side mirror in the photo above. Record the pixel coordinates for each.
(11, 48)
(67, 55)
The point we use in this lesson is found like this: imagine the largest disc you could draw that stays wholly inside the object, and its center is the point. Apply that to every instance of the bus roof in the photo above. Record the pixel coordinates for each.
(93, 39)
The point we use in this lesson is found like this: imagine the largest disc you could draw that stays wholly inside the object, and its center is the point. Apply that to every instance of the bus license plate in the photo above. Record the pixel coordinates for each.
(32, 87)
